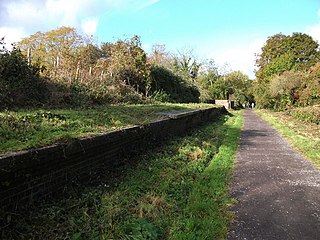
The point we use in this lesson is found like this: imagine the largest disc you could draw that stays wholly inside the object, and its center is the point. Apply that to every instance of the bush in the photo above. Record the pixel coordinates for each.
(20, 83)
(160, 96)
(308, 114)
(175, 87)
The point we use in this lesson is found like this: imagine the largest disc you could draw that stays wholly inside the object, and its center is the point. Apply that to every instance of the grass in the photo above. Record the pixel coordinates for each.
(303, 136)
(177, 191)
(25, 129)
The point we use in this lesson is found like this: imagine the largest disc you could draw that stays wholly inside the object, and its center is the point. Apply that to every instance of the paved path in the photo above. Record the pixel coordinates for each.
(278, 191)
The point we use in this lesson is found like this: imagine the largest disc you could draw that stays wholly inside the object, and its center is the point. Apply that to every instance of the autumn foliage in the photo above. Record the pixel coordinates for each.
(289, 72)
(61, 67)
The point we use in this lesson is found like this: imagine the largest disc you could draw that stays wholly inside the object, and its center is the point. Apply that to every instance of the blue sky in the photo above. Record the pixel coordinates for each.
(224, 30)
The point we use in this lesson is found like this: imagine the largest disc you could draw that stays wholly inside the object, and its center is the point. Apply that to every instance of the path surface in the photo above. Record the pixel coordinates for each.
(278, 191)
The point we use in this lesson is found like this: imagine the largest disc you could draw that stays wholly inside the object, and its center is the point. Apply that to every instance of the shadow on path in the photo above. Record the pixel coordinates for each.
(278, 191)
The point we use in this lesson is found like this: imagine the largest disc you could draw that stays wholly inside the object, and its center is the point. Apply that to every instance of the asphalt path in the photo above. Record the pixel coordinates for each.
(278, 191)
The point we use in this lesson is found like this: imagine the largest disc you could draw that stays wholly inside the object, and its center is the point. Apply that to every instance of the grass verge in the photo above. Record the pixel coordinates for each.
(177, 191)
(31, 128)
(305, 137)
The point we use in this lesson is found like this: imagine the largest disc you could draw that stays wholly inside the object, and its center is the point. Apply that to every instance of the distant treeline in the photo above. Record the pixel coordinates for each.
(61, 67)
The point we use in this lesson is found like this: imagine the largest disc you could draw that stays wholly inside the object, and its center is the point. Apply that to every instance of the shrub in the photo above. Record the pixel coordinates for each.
(308, 114)
(20, 83)
(177, 89)
(160, 96)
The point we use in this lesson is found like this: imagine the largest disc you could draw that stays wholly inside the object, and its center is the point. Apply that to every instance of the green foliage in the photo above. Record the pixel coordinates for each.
(207, 79)
(84, 74)
(172, 192)
(290, 89)
(262, 95)
(176, 88)
(310, 94)
(160, 96)
(232, 86)
(174, 75)
(127, 62)
(20, 83)
(281, 64)
(139, 229)
(228, 85)
(283, 53)
(81, 73)
(288, 72)
(283, 89)
(309, 114)
(185, 65)
(78, 72)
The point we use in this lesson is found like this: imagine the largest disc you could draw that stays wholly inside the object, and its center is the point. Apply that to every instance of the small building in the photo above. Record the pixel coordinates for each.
(228, 104)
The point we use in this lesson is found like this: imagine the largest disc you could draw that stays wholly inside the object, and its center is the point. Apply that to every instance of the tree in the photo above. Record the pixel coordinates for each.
(127, 62)
(310, 94)
(208, 76)
(285, 89)
(304, 49)
(284, 53)
(237, 85)
(186, 65)
(272, 49)
(159, 55)
(57, 50)
(284, 62)
(233, 85)
(172, 87)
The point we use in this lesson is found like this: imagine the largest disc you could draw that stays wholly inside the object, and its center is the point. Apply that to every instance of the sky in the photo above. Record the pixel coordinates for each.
(227, 31)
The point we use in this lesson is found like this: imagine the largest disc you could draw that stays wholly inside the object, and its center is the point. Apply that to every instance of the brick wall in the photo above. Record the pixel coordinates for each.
(28, 176)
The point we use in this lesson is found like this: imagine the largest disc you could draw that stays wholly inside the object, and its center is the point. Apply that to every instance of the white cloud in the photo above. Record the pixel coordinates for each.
(30, 16)
(240, 57)
(89, 26)
(148, 3)
(314, 32)
(11, 35)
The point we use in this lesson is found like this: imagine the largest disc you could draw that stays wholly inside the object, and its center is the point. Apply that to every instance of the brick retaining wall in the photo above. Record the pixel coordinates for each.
(28, 176)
